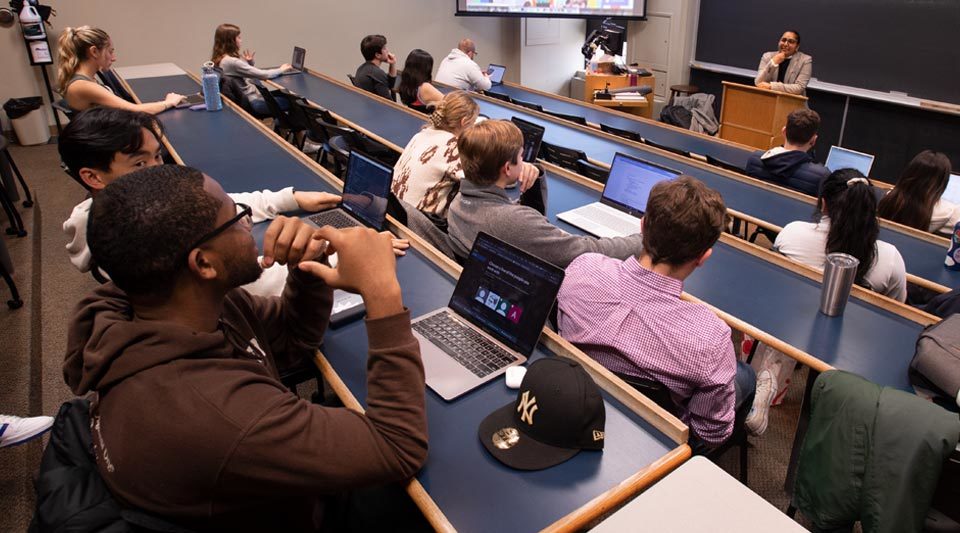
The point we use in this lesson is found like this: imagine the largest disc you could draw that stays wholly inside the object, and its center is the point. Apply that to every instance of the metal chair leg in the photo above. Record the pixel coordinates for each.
(28, 202)
(16, 223)
(14, 302)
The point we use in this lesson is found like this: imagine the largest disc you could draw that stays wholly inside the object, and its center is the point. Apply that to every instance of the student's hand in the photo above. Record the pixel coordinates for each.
(764, 85)
(248, 55)
(365, 265)
(391, 59)
(290, 240)
(779, 58)
(286, 67)
(528, 176)
(315, 201)
(399, 245)
(173, 99)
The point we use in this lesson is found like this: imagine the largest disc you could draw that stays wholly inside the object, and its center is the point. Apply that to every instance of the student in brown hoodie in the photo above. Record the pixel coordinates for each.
(190, 420)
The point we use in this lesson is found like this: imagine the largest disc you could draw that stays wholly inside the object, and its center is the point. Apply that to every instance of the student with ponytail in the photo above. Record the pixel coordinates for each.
(227, 56)
(848, 224)
(916, 200)
(82, 52)
(428, 173)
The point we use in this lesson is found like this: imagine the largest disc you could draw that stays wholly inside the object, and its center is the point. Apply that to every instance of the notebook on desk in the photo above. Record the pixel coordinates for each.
(847, 158)
(624, 198)
(365, 190)
(296, 62)
(493, 320)
(496, 73)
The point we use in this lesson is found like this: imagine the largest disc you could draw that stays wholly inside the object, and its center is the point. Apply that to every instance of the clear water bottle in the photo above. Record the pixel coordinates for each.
(952, 261)
(211, 87)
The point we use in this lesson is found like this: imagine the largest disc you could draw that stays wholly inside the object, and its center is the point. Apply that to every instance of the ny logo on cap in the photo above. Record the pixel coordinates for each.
(526, 407)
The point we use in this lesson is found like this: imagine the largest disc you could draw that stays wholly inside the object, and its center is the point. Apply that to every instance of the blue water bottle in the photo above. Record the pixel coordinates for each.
(211, 87)
(952, 261)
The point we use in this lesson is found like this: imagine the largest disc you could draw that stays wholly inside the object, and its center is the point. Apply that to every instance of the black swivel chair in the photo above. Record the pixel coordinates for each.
(626, 134)
(725, 165)
(576, 119)
(594, 172)
(562, 156)
(8, 190)
(671, 149)
(282, 123)
(302, 114)
(498, 96)
(528, 105)
(353, 80)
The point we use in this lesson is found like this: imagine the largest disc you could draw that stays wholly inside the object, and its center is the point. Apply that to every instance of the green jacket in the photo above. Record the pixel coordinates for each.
(871, 454)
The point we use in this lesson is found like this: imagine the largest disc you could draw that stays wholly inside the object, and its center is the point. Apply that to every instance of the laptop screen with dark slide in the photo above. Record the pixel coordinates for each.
(630, 181)
(532, 136)
(299, 54)
(496, 73)
(506, 292)
(365, 189)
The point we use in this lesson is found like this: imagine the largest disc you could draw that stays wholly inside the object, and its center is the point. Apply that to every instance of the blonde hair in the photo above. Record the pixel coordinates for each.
(486, 147)
(452, 110)
(225, 42)
(74, 45)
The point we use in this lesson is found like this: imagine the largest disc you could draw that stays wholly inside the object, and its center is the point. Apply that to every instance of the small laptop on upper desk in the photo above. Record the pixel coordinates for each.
(365, 190)
(496, 73)
(624, 198)
(847, 158)
(493, 320)
(296, 62)
(952, 193)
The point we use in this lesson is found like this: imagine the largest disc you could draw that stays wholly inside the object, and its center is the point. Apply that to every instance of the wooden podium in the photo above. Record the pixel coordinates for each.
(597, 82)
(754, 116)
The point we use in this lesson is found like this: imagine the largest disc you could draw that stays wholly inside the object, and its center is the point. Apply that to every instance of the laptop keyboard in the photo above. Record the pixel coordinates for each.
(467, 346)
(335, 218)
(605, 218)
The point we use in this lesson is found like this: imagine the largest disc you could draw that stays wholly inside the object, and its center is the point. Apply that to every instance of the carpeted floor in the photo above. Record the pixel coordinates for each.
(34, 341)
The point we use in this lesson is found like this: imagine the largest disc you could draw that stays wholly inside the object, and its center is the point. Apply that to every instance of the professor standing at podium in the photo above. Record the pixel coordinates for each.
(786, 70)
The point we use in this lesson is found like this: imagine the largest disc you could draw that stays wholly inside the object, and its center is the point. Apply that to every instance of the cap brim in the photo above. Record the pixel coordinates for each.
(527, 453)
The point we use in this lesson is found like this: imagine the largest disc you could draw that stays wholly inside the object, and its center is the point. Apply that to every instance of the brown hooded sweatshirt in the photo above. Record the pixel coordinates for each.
(197, 428)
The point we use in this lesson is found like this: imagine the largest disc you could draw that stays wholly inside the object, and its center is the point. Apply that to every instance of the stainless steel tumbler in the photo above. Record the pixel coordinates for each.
(838, 274)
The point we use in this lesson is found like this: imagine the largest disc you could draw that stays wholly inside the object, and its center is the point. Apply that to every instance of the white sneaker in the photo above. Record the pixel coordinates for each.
(15, 430)
(759, 416)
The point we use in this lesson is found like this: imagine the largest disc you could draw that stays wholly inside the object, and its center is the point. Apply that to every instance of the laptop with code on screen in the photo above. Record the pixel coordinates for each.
(847, 158)
(624, 198)
(365, 190)
(493, 321)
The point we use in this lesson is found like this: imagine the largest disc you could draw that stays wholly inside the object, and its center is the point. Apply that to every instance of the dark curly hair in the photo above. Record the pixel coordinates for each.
(141, 225)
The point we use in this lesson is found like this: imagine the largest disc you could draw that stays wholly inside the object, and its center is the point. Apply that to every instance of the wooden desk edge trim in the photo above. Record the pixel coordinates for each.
(602, 504)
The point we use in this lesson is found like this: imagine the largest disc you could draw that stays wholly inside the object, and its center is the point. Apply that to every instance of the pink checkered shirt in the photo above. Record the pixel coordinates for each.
(633, 322)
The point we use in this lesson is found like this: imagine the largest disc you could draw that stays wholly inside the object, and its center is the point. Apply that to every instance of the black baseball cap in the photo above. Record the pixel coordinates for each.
(558, 412)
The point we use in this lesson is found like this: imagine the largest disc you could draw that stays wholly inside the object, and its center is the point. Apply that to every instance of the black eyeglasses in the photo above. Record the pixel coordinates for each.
(244, 217)
(788, 40)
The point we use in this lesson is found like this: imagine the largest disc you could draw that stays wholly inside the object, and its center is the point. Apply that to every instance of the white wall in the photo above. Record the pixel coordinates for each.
(181, 32)
(550, 53)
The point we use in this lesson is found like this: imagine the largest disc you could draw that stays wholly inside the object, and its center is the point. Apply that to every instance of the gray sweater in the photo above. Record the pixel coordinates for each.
(234, 66)
(487, 208)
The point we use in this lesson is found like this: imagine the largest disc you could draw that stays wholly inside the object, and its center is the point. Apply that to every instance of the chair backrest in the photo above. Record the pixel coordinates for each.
(498, 96)
(561, 155)
(305, 115)
(576, 119)
(110, 79)
(594, 172)
(656, 391)
(626, 134)
(671, 149)
(274, 107)
(723, 164)
(528, 105)
(63, 107)
(353, 81)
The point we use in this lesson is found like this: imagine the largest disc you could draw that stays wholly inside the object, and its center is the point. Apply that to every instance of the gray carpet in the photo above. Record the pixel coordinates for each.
(35, 340)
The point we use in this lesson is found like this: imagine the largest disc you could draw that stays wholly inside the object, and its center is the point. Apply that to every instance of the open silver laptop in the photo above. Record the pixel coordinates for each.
(846, 158)
(296, 62)
(624, 198)
(493, 320)
(365, 190)
(952, 194)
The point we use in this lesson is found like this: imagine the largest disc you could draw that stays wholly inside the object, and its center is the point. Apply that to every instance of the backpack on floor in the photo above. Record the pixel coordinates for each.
(676, 115)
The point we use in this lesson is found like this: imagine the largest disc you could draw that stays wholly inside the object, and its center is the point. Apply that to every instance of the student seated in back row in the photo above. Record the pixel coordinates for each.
(917, 201)
(191, 422)
(628, 315)
(226, 55)
(369, 76)
(490, 153)
(415, 90)
(100, 145)
(791, 165)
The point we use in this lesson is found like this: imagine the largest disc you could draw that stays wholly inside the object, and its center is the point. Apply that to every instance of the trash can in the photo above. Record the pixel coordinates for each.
(28, 120)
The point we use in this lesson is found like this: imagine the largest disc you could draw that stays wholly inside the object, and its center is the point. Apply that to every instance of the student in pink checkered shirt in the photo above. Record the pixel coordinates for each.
(628, 315)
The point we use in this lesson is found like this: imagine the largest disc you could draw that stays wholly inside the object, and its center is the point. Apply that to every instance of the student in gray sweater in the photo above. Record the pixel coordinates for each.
(227, 56)
(490, 153)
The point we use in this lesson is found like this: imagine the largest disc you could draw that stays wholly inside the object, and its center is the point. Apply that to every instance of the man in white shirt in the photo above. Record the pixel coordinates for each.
(460, 71)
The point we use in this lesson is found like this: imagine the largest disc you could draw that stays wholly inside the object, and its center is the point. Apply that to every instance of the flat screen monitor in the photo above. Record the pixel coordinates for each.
(631, 9)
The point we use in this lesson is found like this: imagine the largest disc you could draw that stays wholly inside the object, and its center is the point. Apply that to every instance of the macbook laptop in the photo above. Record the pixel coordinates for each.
(493, 320)
(624, 198)
(296, 62)
(532, 137)
(952, 194)
(846, 158)
(365, 190)
(496, 73)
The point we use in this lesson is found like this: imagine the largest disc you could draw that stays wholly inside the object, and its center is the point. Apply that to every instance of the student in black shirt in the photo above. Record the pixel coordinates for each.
(370, 77)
